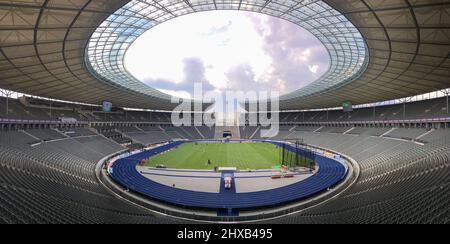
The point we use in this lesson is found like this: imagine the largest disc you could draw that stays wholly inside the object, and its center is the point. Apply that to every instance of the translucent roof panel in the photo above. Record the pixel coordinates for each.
(346, 46)
(66, 50)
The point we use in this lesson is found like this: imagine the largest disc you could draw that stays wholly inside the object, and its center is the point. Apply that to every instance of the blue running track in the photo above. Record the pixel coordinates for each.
(330, 173)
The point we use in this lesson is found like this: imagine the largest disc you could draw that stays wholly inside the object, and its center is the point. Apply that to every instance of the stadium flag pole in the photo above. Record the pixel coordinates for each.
(293, 157)
(297, 151)
(304, 155)
(289, 157)
(279, 152)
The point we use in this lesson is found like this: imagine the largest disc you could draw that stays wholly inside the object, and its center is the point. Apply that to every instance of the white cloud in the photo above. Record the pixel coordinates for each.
(313, 68)
(305, 55)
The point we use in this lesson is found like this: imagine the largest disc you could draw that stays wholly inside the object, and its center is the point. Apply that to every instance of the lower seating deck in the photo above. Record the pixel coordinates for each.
(400, 182)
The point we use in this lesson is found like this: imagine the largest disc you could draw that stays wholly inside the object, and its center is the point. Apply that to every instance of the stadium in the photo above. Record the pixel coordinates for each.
(84, 141)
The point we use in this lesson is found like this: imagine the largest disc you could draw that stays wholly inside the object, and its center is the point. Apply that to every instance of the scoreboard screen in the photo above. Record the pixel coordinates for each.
(347, 106)
(107, 107)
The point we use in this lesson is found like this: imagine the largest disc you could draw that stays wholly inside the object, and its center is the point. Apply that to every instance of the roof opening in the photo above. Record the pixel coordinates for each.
(227, 50)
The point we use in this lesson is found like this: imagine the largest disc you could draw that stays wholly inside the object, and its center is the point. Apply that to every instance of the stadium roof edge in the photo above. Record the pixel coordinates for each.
(42, 52)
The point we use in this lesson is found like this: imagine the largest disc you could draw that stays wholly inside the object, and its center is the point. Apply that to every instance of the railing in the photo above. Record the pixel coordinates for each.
(25, 121)
(330, 123)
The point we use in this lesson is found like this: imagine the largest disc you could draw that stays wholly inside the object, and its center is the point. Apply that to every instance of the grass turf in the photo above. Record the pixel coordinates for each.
(241, 155)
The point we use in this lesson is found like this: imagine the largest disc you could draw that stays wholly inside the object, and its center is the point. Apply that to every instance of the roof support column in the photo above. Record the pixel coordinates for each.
(374, 112)
(404, 110)
(51, 104)
(7, 94)
(447, 93)
(404, 107)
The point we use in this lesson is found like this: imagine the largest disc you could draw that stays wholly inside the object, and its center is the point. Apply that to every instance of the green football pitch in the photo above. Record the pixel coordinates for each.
(192, 155)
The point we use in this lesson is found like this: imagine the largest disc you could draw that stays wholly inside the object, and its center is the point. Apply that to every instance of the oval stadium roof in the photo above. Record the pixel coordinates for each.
(399, 48)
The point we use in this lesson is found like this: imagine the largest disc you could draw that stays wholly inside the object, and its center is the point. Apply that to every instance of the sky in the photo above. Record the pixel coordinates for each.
(227, 50)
